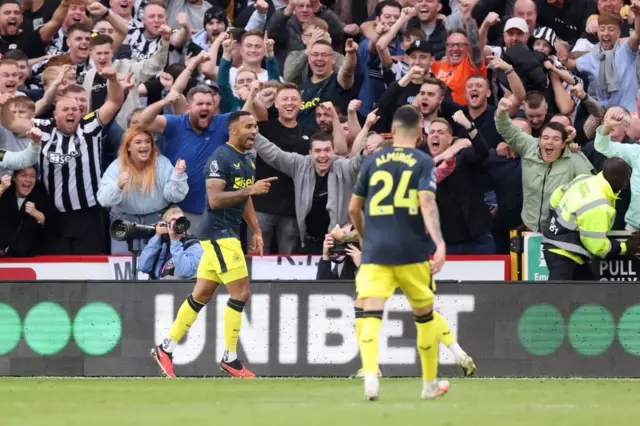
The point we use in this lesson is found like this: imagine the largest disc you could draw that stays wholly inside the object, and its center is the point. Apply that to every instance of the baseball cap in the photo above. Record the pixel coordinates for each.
(213, 85)
(421, 46)
(215, 13)
(517, 23)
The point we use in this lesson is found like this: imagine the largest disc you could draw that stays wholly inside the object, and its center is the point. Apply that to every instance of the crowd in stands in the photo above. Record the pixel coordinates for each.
(110, 110)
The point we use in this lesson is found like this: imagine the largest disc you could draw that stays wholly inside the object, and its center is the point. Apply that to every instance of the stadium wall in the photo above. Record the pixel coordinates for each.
(523, 329)
(294, 267)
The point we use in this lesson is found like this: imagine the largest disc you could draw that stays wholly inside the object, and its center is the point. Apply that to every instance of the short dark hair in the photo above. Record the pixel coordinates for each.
(387, 3)
(534, 99)
(320, 136)
(79, 27)
(436, 82)
(256, 33)
(323, 42)
(16, 55)
(408, 117)
(16, 2)
(99, 40)
(558, 127)
(174, 70)
(200, 88)
(235, 116)
(481, 77)
(415, 32)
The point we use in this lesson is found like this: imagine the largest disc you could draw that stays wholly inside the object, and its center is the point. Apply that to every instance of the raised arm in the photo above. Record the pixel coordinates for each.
(483, 33)
(115, 96)
(561, 96)
(50, 29)
(210, 67)
(384, 39)
(634, 39)
(175, 186)
(514, 137)
(181, 37)
(25, 158)
(348, 69)
(286, 162)
(518, 91)
(98, 11)
(476, 47)
(603, 144)
(150, 118)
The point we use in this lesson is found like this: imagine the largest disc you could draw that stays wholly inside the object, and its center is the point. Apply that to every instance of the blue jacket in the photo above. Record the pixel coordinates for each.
(185, 261)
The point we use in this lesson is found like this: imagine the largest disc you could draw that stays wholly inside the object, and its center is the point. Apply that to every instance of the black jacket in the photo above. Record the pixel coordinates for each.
(19, 231)
(568, 22)
(437, 39)
(528, 65)
(464, 215)
(327, 270)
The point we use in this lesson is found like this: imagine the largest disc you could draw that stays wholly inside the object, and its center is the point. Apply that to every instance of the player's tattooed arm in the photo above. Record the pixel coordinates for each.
(356, 213)
(218, 198)
(431, 216)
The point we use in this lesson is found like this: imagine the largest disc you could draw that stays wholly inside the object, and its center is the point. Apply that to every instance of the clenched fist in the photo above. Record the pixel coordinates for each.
(123, 180)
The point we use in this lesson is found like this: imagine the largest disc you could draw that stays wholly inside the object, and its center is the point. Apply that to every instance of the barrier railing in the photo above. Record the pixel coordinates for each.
(525, 329)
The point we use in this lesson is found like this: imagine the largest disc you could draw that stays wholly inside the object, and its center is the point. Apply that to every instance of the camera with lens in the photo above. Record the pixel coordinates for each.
(123, 230)
(339, 249)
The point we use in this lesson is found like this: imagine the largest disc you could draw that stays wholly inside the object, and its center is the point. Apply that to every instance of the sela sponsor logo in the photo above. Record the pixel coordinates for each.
(315, 329)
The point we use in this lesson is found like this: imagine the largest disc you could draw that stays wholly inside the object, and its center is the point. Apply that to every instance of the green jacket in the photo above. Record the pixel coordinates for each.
(539, 179)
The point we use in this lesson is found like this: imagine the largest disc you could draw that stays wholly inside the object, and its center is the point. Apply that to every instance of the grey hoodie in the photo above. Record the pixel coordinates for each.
(341, 181)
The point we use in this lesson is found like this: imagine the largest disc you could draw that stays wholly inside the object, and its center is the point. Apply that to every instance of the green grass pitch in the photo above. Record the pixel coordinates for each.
(308, 402)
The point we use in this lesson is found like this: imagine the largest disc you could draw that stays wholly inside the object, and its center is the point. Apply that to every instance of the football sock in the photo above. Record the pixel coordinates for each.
(187, 315)
(371, 323)
(456, 350)
(427, 346)
(232, 322)
(442, 329)
(359, 319)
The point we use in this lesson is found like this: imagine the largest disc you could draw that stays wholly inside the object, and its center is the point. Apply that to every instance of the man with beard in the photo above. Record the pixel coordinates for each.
(466, 221)
(215, 22)
(70, 165)
(427, 20)
(402, 92)
(231, 185)
(328, 121)
(612, 62)
(145, 41)
(547, 163)
(322, 181)
(275, 210)
(192, 137)
(33, 43)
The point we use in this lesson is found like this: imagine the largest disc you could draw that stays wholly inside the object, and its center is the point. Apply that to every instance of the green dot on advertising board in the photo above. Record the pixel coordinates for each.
(47, 328)
(591, 330)
(541, 329)
(97, 328)
(10, 328)
(629, 330)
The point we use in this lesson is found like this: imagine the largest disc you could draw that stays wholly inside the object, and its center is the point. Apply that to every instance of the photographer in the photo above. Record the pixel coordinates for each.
(171, 255)
(345, 256)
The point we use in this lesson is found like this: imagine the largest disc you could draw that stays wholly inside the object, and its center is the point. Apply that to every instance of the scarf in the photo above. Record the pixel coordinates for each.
(607, 76)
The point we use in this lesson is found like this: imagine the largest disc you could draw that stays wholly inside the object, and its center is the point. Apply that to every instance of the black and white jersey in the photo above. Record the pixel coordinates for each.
(138, 8)
(81, 70)
(134, 24)
(58, 45)
(141, 47)
(70, 164)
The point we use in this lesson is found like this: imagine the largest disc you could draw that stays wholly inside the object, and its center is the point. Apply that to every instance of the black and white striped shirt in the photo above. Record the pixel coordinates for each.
(58, 45)
(141, 47)
(70, 164)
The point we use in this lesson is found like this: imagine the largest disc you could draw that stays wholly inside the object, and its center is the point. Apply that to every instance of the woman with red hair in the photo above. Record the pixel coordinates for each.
(141, 183)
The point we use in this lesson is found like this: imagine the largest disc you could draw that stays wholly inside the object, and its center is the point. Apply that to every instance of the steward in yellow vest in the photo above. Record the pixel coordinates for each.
(582, 213)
